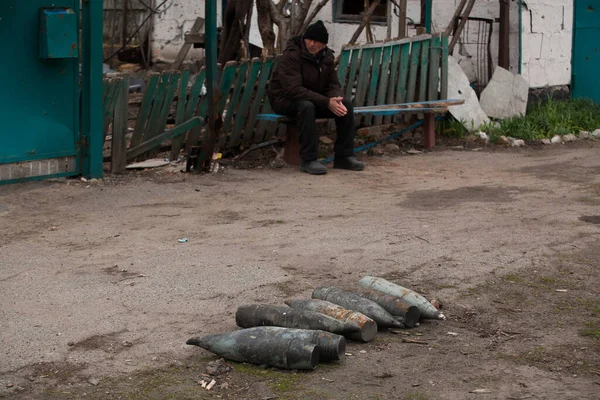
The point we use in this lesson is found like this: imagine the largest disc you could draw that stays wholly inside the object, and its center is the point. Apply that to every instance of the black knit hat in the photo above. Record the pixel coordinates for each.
(318, 32)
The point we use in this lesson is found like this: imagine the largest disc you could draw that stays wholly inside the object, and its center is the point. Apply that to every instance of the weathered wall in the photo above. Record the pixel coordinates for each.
(547, 42)
(547, 33)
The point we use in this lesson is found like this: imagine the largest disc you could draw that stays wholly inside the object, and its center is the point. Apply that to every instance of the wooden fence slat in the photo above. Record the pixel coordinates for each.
(157, 103)
(373, 81)
(424, 69)
(352, 75)
(118, 159)
(158, 139)
(343, 67)
(194, 97)
(384, 78)
(444, 69)
(177, 142)
(234, 100)
(144, 112)
(363, 77)
(225, 85)
(164, 111)
(111, 98)
(434, 67)
(263, 129)
(257, 101)
(394, 76)
(412, 75)
(242, 112)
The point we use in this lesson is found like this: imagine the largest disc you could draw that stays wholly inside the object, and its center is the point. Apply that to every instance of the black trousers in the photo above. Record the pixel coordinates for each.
(304, 113)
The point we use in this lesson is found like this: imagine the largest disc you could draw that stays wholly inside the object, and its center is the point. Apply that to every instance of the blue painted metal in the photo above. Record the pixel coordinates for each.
(44, 112)
(428, 13)
(378, 142)
(586, 50)
(58, 33)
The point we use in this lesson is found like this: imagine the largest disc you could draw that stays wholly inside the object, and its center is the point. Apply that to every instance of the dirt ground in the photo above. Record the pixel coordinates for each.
(97, 296)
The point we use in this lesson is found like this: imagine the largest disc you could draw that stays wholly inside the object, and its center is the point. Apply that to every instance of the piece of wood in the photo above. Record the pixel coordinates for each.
(177, 143)
(194, 97)
(235, 96)
(119, 134)
(364, 70)
(393, 80)
(444, 69)
(198, 25)
(353, 71)
(242, 112)
(404, 340)
(384, 78)
(463, 20)
(166, 135)
(227, 77)
(434, 68)
(144, 112)
(429, 131)
(112, 92)
(413, 68)
(164, 110)
(194, 38)
(373, 45)
(452, 23)
(374, 80)
(403, 72)
(154, 116)
(424, 70)
(259, 95)
(402, 19)
(366, 18)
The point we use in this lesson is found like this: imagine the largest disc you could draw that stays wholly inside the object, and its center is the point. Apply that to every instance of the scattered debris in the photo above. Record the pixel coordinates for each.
(452, 333)
(52, 228)
(392, 147)
(211, 384)
(480, 391)
(94, 381)
(503, 140)
(127, 343)
(561, 290)
(556, 139)
(385, 375)
(437, 304)
(398, 332)
(216, 368)
(328, 380)
(363, 352)
(151, 163)
(546, 141)
(414, 341)
(9, 385)
(483, 136)
(505, 95)
(569, 138)
(596, 134)
(414, 152)
(325, 140)
(459, 87)
(183, 240)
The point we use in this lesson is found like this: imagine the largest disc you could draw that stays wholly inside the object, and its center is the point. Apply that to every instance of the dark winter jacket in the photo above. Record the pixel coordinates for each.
(302, 76)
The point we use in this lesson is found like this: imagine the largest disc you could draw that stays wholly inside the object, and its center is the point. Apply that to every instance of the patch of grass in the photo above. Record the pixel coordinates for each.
(512, 278)
(592, 329)
(543, 120)
(281, 382)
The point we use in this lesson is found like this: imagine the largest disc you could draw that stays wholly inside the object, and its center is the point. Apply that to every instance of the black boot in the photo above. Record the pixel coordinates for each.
(313, 167)
(350, 163)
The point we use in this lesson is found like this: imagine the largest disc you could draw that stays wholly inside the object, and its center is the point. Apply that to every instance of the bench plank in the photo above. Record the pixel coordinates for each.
(244, 105)
(352, 75)
(374, 81)
(265, 74)
(363, 76)
(434, 68)
(424, 71)
(413, 68)
(393, 80)
(343, 67)
(383, 89)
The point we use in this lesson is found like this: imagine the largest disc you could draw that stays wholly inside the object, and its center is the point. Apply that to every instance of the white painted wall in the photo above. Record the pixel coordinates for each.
(546, 37)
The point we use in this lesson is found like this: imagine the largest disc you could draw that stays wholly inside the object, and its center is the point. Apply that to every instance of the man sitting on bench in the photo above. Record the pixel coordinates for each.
(305, 87)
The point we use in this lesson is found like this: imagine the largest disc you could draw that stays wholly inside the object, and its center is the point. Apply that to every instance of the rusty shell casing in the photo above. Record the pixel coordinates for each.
(394, 305)
(332, 347)
(428, 311)
(353, 301)
(269, 315)
(253, 347)
(367, 328)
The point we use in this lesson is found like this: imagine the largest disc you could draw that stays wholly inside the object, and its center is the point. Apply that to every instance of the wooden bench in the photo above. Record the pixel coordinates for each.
(382, 79)
(385, 79)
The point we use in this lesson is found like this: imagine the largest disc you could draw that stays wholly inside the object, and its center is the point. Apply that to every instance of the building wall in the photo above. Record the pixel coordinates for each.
(547, 33)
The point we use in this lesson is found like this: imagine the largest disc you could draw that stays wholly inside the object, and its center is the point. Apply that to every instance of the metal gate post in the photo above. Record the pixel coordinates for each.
(91, 89)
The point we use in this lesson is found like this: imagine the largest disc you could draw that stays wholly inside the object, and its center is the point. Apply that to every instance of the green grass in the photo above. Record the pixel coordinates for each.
(415, 396)
(543, 120)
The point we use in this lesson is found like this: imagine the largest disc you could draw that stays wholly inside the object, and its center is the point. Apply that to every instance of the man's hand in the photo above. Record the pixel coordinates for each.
(337, 107)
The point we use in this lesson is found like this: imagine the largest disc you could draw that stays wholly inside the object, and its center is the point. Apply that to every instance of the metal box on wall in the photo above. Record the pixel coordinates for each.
(58, 33)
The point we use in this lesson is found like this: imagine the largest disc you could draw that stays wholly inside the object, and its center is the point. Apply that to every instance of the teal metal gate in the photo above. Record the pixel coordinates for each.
(50, 90)
(586, 50)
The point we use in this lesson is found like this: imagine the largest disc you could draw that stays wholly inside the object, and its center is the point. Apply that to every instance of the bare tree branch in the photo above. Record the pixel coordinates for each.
(312, 15)
(366, 18)
(265, 25)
